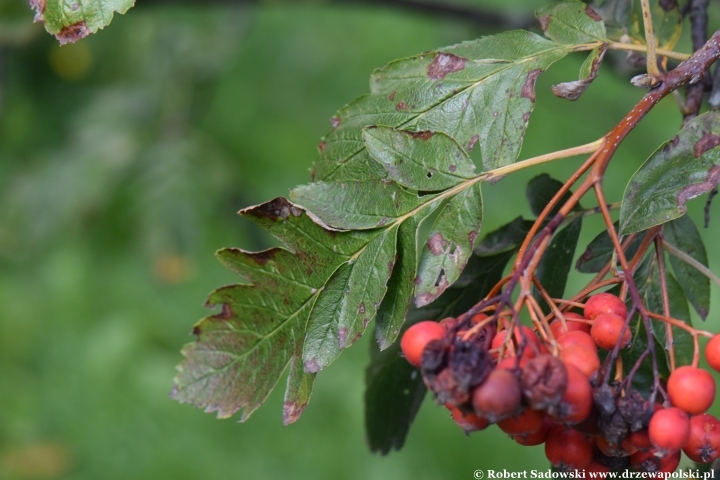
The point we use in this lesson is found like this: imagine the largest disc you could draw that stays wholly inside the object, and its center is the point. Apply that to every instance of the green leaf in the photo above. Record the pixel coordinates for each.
(421, 160)
(71, 21)
(553, 269)
(541, 189)
(588, 73)
(571, 22)
(401, 286)
(357, 205)
(683, 168)
(651, 293)
(506, 238)
(349, 301)
(683, 234)
(599, 252)
(450, 244)
(453, 91)
(240, 353)
(394, 392)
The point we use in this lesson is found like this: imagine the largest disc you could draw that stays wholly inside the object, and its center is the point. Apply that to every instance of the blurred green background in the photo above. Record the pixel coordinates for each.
(123, 159)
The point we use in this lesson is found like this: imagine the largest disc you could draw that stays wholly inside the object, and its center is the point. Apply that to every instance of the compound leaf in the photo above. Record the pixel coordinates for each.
(72, 21)
(421, 160)
(683, 168)
(683, 234)
(240, 353)
(450, 244)
(571, 22)
(349, 301)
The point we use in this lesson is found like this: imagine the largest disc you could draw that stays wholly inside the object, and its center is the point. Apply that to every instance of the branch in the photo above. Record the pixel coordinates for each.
(699, 24)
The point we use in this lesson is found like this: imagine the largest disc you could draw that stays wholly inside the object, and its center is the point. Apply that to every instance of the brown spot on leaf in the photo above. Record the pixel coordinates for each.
(321, 146)
(585, 257)
(361, 309)
(444, 64)
(391, 97)
(292, 412)
(401, 106)
(472, 236)
(473, 141)
(335, 122)
(526, 117)
(39, 7)
(72, 33)
(274, 209)
(668, 5)
(261, 258)
(312, 366)
(528, 88)
(452, 168)
(671, 144)
(422, 135)
(342, 337)
(707, 142)
(544, 22)
(692, 191)
(436, 244)
(592, 13)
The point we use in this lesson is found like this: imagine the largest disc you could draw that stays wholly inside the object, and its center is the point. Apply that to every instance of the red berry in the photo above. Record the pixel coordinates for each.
(712, 353)
(577, 337)
(654, 462)
(479, 317)
(449, 322)
(532, 342)
(535, 438)
(669, 429)
(528, 421)
(604, 303)
(499, 396)
(613, 450)
(469, 422)
(568, 449)
(509, 363)
(640, 440)
(608, 329)
(692, 389)
(703, 446)
(580, 356)
(557, 328)
(576, 403)
(416, 338)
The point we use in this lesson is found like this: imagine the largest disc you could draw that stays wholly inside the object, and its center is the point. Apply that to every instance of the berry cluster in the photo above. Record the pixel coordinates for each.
(549, 389)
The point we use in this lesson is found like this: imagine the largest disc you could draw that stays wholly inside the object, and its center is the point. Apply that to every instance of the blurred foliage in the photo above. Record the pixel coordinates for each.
(123, 159)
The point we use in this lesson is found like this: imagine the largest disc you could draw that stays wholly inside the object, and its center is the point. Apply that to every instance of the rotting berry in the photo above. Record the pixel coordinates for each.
(703, 445)
(604, 303)
(691, 389)
(652, 461)
(416, 338)
(544, 380)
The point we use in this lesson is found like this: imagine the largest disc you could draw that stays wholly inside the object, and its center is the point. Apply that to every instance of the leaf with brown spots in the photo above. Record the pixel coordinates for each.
(424, 161)
(240, 353)
(588, 73)
(681, 169)
(73, 20)
(348, 301)
(472, 92)
(571, 22)
(450, 244)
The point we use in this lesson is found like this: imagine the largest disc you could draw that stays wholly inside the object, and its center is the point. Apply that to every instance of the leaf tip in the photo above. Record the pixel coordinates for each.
(292, 412)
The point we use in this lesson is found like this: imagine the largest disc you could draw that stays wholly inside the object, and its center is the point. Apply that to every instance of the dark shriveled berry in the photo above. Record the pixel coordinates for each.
(470, 363)
(499, 396)
(544, 379)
